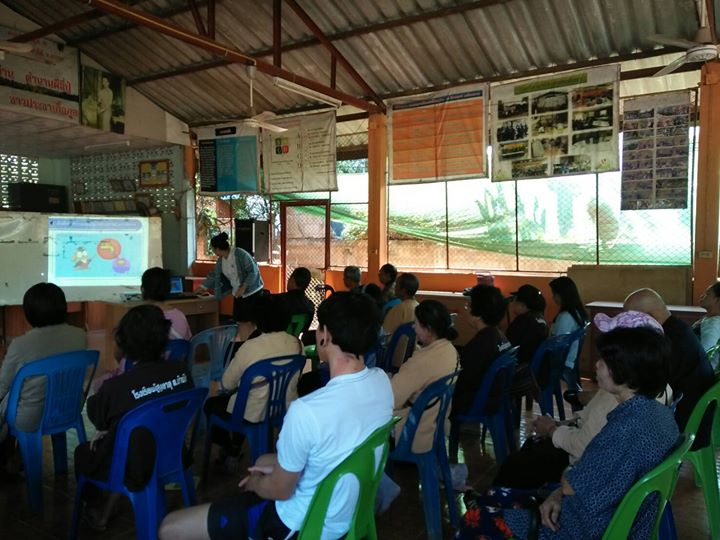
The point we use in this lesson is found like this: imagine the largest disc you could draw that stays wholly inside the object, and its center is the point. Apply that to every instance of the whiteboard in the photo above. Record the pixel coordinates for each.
(24, 258)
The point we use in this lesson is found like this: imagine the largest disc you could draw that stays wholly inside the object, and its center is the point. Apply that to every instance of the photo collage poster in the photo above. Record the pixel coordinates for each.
(656, 154)
(556, 126)
(438, 136)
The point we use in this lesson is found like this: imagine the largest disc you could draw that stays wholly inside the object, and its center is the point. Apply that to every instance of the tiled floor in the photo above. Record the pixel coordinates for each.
(404, 520)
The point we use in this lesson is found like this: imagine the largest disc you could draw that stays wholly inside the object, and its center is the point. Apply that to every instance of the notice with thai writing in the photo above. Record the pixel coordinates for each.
(229, 159)
(43, 82)
(553, 126)
(440, 136)
(303, 158)
(656, 151)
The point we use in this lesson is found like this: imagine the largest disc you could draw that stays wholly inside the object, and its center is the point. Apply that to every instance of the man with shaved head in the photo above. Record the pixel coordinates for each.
(690, 371)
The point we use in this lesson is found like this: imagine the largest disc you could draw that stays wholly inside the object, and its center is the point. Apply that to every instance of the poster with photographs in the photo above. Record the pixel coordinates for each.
(555, 126)
(656, 151)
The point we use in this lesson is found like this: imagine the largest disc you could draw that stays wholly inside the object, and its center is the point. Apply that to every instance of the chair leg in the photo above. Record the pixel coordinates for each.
(560, 403)
(31, 450)
(189, 496)
(430, 497)
(77, 508)
(497, 431)
(208, 446)
(453, 440)
(146, 512)
(703, 461)
(444, 467)
(59, 443)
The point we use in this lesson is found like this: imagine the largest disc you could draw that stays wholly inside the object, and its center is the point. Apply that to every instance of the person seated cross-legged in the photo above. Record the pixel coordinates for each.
(319, 431)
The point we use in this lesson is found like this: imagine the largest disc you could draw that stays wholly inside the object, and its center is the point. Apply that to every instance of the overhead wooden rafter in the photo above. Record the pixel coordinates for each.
(164, 27)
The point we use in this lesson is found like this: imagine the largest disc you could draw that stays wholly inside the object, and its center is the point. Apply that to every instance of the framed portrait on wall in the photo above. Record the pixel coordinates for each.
(154, 174)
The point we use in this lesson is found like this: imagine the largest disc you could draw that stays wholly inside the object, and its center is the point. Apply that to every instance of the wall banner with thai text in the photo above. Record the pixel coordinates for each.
(43, 82)
(439, 136)
(303, 158)
(656, 154)
(229, 159)
(564, 124)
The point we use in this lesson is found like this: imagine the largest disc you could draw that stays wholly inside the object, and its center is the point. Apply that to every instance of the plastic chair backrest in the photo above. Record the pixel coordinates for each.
(548, 360)
(579, 336)
(374, 357)
(496, 382)
(65, 391)
(217, 341)
(390, 304)
(363, 463)
(659, 480)
(324, 289)
(712, 396)
(168, 419)
(440, 390)
(177, 350)
(406, 330)
(297, 323)
(277, 372)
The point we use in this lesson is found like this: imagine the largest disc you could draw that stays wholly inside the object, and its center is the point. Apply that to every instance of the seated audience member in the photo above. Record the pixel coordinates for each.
(486, 310)
(142, 335)
(638, 435)
(273, 340)
(407, 286)
(387, 276)
(319, 431)
(544, 457)
(374, 292)
(351, 278)
(296, 301)
(690, 370)
(45, 309)
(572, 316)
(436, 358)
(708, 328)
(156, 290)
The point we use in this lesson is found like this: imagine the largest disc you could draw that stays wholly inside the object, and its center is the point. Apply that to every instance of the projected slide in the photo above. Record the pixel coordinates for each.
(96, 251)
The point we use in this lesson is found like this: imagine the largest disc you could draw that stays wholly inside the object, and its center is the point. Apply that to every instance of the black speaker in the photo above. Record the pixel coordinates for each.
(28, 197)
(253, 236)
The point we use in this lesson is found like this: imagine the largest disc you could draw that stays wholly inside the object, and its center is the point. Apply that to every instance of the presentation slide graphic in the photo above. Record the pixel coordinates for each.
(96, 251)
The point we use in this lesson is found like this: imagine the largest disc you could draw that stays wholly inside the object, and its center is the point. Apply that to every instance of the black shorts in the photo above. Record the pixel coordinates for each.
(246, 515)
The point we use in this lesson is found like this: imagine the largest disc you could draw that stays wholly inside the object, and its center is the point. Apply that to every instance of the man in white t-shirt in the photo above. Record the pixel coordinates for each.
(319, 431)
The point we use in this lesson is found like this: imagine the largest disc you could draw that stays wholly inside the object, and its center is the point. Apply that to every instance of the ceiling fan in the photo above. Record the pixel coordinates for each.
(700, 50)
(14, 47)
(263, 119)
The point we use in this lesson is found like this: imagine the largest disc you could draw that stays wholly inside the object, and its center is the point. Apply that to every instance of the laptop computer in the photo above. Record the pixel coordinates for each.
(177, 289)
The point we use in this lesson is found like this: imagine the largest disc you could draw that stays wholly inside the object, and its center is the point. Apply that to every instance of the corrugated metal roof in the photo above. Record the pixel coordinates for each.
(473, 40)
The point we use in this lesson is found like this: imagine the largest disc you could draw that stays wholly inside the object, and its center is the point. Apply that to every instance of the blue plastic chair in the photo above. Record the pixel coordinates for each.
(497, 417)
(578, 336)
(66, 386)
(390, 304)
(434, 460)
(217, 341)
(547, 364)
(277, 373)
(406, 330)
(375, 356)
(168, 418)
(177, 350)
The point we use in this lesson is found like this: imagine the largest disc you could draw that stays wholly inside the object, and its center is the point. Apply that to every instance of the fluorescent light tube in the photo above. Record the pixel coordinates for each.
(307, 92)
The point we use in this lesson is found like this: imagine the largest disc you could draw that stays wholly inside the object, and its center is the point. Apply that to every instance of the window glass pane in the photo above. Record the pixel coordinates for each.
(481, 224)
(348, 235)
(416, 225)
(556, 223)
(352, 188)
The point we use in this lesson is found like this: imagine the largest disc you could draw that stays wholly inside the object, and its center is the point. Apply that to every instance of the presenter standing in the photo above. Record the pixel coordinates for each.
(236, 273)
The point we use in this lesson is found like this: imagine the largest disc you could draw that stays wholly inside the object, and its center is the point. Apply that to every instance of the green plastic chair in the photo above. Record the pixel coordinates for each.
(661, 480)
(297, 323)
(703, 460)
(361, 464)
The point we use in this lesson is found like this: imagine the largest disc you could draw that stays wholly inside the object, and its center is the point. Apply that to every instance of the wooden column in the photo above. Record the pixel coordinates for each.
(377, 195)
(708, 192)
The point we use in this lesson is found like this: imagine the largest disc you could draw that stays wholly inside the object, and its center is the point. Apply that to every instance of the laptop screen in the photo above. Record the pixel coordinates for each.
(176, 285)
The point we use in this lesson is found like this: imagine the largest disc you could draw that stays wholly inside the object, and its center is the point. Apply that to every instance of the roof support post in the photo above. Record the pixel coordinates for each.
(277, 36)
(197, 17)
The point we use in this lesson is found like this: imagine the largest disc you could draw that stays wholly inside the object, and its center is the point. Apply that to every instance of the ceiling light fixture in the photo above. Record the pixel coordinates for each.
(107, 144)
(307, 92)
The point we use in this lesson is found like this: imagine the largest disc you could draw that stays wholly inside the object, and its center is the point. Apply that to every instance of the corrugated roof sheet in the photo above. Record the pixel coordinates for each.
(473, 40)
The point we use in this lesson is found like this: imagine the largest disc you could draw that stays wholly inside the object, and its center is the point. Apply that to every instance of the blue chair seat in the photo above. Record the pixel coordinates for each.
(66, 387)
(278, 372)
(492, 407)
(428, 463)
(168, 418)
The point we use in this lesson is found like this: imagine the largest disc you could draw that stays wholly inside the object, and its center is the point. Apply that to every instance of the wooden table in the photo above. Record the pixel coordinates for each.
(201, 313)
(589, 355)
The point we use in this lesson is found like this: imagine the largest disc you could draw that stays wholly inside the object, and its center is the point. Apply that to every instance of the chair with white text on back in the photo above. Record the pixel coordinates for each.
(66, 386)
